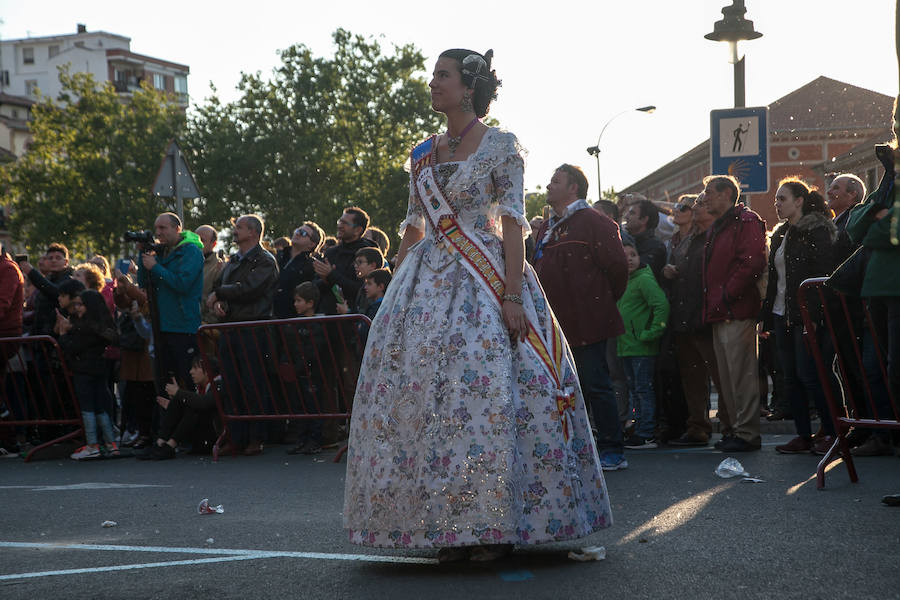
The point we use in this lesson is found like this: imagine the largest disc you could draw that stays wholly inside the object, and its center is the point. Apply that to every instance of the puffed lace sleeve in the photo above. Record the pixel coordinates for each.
(508, 179)
(415, 215)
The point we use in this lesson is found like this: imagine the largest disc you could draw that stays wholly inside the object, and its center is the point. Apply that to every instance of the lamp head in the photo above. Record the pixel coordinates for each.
(734, 27)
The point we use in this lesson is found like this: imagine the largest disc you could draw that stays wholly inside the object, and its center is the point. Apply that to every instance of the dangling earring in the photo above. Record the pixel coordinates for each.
(466, 104)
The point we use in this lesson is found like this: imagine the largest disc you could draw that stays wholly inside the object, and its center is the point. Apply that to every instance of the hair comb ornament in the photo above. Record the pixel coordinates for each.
(473, 66)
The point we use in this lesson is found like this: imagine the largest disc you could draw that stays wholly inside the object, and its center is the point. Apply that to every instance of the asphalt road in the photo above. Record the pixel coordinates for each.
(680, 532)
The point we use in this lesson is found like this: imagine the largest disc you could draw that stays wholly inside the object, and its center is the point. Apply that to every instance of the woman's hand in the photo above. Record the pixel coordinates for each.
(63, 325)
(514, 317)
(172, 388)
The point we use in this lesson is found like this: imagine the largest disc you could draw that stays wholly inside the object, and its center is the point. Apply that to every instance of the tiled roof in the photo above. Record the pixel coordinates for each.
(827, 104)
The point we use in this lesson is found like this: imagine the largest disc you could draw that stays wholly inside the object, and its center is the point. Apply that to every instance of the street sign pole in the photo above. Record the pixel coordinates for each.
(174, 178)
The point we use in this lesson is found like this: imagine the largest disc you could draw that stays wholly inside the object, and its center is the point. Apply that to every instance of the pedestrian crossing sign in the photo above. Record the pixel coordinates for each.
(739, 146)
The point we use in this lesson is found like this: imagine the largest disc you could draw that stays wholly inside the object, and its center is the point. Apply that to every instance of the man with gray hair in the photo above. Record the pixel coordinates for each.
(734, 258)
(846, 191)
(245, 287)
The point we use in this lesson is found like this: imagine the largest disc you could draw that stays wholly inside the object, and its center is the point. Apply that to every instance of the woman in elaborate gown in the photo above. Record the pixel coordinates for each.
(469, 429)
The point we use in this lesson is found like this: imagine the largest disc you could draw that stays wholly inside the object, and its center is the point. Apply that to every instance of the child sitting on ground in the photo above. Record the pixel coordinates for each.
(185, 412)
(644, 310)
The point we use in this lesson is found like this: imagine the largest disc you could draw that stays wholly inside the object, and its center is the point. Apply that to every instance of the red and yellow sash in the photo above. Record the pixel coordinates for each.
(549, 345)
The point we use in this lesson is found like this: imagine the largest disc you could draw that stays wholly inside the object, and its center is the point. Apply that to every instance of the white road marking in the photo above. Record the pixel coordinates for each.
(81, 486)
(171, 563)
(221, 554)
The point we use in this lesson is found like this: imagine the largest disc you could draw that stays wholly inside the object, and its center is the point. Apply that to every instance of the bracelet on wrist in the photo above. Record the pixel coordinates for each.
(514, 298)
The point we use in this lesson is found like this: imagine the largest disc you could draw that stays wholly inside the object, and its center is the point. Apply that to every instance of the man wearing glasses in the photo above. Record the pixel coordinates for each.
(336, 271)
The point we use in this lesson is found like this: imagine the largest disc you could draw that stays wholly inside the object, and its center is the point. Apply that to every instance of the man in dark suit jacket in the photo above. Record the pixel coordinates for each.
(581, 264)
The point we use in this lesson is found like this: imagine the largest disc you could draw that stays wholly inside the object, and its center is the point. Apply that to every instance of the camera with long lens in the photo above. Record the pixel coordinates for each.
(144, 240)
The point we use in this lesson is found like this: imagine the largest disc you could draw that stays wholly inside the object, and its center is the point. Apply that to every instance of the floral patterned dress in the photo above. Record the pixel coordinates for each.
(455, 437)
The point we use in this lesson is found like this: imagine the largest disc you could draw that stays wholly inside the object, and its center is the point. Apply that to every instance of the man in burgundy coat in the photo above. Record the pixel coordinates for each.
(581, 265)
(734, 259)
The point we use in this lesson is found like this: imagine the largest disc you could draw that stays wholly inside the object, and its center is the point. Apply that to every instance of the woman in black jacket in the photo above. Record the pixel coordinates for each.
(801, 247)
(84, 338)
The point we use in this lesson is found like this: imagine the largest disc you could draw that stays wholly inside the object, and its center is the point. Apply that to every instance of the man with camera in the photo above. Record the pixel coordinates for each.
(173, 267)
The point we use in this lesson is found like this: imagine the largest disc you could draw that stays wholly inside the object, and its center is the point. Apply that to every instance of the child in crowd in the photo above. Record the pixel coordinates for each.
(367, 260)
(644, 310)
(375, 285)
(68, 290)
(136, 387)
(310, 355)
(83, 339)
(186, 412)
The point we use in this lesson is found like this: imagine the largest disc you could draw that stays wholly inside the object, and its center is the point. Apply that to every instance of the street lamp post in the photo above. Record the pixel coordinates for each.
(595, 150)
(733, 29)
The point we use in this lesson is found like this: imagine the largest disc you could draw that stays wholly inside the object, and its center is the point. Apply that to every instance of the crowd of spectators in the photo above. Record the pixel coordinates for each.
(687, 298)
(711, 305)
(130, 337)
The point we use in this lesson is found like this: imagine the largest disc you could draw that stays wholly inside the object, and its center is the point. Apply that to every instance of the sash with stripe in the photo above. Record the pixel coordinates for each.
(550, 350)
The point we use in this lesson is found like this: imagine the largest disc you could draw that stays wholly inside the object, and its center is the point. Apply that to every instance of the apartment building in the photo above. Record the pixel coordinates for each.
(31, 64)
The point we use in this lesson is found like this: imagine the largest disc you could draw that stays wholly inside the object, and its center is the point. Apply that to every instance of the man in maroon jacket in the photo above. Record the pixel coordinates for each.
(12, 288)
(734, 258)
(581, 264)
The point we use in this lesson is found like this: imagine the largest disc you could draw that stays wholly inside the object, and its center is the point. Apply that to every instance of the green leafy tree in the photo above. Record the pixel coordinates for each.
(535, 203)
(88, 172)
(321, 134)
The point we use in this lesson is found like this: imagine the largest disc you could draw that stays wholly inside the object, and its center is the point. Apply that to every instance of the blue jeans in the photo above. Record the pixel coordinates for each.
(593, 374)
(801, 382)
(639, 372)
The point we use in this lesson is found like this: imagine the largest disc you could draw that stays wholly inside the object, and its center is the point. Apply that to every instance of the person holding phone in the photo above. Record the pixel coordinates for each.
(337, 267)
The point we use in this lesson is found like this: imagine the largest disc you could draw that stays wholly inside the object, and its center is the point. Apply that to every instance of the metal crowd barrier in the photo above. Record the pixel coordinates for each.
(846, 322)
(285, 370)
(37, 389)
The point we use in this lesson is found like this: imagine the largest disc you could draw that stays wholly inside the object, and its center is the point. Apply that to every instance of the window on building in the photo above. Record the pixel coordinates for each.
(4, 77)
(52, 51)
(180, 84)
(159, 81)
(31, 87)
(28, 56)
(15, 113)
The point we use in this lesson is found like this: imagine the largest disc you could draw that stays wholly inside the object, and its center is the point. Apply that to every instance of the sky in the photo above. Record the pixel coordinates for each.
(567, 67)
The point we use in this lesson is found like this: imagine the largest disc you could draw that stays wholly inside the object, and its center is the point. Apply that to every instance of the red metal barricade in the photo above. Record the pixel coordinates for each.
(285, 370)
(37, 388)
(846, 322)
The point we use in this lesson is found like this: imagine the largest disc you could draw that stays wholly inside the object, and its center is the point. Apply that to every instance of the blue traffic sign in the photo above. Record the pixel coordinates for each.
(739, 146)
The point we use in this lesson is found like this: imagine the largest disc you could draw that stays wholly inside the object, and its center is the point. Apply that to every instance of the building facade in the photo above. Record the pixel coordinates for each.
(31, 64)
(819, 129)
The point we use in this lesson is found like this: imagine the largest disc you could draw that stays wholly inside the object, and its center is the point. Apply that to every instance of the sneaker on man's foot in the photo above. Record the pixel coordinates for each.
(725, 438)
(736, 444)
(86, 452)
(638, 443)
(613, 461)
(875, 445)
(689, 440)
(164, 452)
